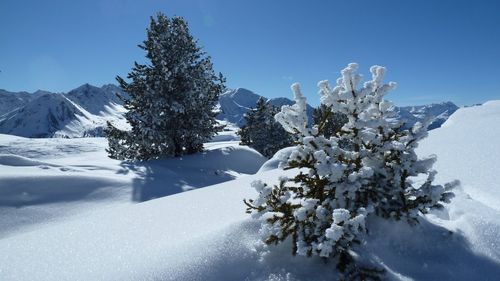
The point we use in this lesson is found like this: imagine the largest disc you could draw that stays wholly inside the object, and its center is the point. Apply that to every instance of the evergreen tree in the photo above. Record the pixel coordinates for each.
(262, 132)
(325, 206)
(330, 121)
(171, 99)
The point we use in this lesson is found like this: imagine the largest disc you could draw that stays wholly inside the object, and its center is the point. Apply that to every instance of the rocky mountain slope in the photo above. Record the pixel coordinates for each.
(10, 101)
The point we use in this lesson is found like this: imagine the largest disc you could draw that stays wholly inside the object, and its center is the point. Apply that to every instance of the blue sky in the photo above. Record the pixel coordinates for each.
(435, 50)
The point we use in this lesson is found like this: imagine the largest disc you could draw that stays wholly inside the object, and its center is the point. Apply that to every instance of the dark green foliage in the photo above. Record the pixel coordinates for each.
(171, 99)
(328, 122)
(262, 132)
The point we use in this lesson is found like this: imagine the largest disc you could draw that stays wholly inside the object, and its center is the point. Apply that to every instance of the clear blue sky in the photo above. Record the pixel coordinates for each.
(435, 50)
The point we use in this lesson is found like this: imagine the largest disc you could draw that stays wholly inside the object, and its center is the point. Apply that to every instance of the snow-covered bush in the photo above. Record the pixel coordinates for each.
(325, 206)
(262, 132)
(171, 99)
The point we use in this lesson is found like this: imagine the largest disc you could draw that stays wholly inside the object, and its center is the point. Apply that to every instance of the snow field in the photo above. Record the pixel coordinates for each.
(104, 229)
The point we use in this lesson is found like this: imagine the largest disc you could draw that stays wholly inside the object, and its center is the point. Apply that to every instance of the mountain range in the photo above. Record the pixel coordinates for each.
(413, 114)
(83, 112)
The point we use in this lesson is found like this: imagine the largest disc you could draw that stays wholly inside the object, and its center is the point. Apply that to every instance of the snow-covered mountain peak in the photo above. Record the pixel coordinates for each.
(81, 112)
(94, 99)
(111, 88)
(41, 117)
(39, 93)
(241, 96)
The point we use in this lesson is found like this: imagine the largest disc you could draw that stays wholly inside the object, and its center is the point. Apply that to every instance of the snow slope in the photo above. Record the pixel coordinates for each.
(204, 234)
(468, 145)
(440, 111)
(44, 179)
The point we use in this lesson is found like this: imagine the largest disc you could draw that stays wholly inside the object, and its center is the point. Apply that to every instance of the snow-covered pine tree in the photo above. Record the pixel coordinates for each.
(262, 132)
(171, 99)
(324, 207)
(331, 121)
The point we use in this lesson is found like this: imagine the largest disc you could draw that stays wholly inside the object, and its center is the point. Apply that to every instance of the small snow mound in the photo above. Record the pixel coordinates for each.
(241, 159)
(16, 160)
(274, 162)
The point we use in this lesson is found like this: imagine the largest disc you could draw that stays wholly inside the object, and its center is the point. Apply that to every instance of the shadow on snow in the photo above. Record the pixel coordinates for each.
(163, 177)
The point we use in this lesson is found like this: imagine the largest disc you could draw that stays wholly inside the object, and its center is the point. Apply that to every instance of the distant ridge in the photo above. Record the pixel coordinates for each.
(440, 111)
(233, 104)
(83, 112)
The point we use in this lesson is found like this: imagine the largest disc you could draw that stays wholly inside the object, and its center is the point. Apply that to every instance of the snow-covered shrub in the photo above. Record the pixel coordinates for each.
(170, 100)
(325, 206)
(262, 132)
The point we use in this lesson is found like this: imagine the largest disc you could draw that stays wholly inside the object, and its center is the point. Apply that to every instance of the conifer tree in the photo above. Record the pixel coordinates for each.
(330, 121)
(262, 132)
(170, 100)
(323, 209)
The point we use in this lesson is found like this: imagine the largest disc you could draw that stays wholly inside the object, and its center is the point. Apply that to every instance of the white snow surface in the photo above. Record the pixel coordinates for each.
(67, 212)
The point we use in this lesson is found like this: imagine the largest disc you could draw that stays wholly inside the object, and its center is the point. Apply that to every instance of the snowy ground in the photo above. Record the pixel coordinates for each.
(67, 212)
(44, 179)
